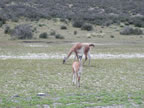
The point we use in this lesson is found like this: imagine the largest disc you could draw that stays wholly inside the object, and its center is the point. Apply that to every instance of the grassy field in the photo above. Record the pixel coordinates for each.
(105, 82)
(114, 83)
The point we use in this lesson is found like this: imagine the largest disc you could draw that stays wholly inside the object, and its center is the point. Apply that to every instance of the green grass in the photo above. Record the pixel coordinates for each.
(19, 48)
(107, 82)
(104, 83)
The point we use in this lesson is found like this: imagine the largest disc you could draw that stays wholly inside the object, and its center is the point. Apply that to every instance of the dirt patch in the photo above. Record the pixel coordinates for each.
(61, 56)
(48, 42)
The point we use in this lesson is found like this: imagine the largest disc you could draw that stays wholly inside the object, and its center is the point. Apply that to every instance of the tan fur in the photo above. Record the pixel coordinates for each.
(85, 47)
(77, 69)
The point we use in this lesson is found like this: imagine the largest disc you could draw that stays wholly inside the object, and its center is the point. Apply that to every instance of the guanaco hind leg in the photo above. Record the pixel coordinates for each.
(89, 57)
(74, 79)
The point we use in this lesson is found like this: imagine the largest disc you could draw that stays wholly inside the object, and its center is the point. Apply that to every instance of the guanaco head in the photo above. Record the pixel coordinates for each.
(92, 45)
(64, 60)
(80, 58)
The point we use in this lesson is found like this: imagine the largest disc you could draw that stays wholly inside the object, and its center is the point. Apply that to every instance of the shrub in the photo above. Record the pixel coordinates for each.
(22, 31)
(1, 24)
(87, 27)
(78, 24)
(7, 30)
(64, 20)
(41, 25)
(112, 36)
(127, 23)
(34, 29)
(43, 35)
(52, 33)
(105, 11)
(131, 31)
(2, 21)
(75, 32)
(108, 23)
(58, 36)
(63, 27)
(138, 21)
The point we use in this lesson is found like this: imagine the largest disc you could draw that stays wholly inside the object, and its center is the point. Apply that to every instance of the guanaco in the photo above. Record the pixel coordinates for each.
(77, 70)
(80, 48)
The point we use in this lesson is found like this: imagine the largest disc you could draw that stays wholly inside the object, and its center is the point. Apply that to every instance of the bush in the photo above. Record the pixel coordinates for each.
(53, 33)
(64, 20)
(58, 36)
(87, 27)
(34, 29)
(7, 30)
(131, 31)
(63, 27)
(108, 23)
(75, 9)
(112, 36)
(43, 35)
(75, 32)
(22, 31)
(41, 25)
(2, 21)
(78, 24)
(138, 21)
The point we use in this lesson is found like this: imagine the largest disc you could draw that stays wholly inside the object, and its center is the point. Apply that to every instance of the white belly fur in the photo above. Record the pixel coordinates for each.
(81, 51)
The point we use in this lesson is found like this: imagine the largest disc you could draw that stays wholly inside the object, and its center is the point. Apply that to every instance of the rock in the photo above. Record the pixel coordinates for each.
(41, 94)
(16, 95)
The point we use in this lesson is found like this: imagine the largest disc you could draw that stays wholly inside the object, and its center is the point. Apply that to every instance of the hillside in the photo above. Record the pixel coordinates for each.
(102, 12)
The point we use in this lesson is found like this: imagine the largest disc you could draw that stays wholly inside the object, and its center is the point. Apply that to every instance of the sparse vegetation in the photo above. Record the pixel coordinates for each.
(63, 27)
(131, 31)
(34, 76)
(78, 23)
(59, 36)
(75, 32)
(137, 21)
(64, 20)
(22, 31)
(106, 12)
(31, 71)
(7, 30)
(41, 25)
(2, 21)
(52, 33)
(43, 35)
(34, 29)
(112, 36)
(87, 27)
